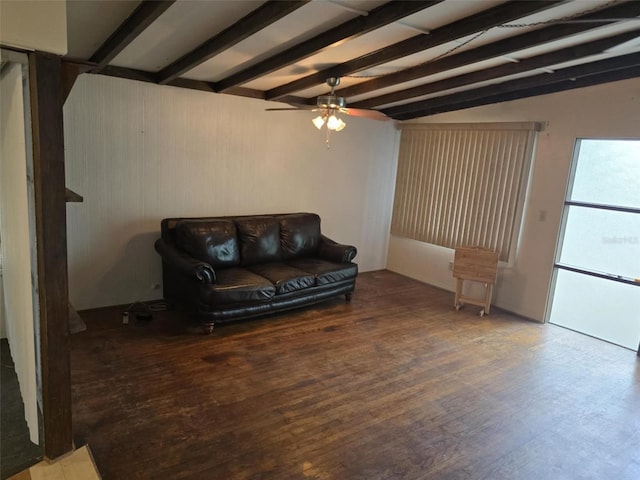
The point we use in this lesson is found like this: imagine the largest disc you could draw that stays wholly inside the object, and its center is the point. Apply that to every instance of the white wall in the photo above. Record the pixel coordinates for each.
(16, 254)
(34, 25)
(139, 153)
(610, 110)
(31, 25)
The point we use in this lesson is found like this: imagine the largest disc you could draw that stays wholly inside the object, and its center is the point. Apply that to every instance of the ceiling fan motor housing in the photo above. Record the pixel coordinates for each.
(331, 101)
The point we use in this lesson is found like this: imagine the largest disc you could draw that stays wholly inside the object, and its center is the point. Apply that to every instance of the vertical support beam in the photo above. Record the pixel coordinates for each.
(45, 88)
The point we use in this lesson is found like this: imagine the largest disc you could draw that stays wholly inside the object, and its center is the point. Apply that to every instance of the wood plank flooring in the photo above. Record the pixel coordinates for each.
(394, 385)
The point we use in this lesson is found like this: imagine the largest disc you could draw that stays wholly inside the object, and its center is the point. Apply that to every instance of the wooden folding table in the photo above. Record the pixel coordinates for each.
(475, 264)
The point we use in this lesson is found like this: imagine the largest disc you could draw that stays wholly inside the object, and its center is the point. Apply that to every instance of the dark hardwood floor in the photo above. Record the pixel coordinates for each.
(394, 385)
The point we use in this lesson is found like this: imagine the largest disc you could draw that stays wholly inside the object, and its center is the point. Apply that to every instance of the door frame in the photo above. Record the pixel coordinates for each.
(557, 265)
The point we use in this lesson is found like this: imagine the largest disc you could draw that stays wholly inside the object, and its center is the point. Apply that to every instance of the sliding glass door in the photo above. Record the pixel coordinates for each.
(596, 287)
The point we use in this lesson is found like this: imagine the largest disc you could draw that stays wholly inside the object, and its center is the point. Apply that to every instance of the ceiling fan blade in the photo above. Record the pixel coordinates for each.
(372, 114)
(296, 107)
(303, 106)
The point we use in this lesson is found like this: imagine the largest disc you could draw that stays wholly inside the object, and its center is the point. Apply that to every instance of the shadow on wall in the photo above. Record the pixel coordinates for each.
(118, 272)
(511, 291)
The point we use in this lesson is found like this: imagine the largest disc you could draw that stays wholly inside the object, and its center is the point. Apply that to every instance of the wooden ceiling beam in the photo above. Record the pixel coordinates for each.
(143, 16)
(255, 21)
(596, 79)
(485, 52)
(383, 15)
(475, 23)
(416, 109)
(525, 65)
(128, 73)
(148, 77)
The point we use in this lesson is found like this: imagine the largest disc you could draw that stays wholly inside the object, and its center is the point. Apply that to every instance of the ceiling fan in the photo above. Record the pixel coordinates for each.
(330, 105)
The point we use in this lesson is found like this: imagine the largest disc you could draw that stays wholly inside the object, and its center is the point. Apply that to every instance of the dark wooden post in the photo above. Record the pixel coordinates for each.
(45, 89)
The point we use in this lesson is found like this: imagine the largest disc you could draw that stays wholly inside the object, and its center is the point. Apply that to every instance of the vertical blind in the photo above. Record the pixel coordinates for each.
(462, 184)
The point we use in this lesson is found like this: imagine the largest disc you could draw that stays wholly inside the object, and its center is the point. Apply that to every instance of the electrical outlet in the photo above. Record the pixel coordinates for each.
(155, 286)
(451, 266)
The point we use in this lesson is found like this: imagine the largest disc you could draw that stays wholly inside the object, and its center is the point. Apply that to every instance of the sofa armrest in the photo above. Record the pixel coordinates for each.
(335, 252)
(185, 263)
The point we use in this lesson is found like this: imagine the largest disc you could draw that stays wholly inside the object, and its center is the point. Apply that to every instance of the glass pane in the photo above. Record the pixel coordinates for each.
(602, 240)
(597, 307)
(608, 171)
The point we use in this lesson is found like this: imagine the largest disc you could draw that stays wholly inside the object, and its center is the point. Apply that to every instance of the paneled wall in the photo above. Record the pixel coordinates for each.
(603, 111)
(138, 153)
(17, 290)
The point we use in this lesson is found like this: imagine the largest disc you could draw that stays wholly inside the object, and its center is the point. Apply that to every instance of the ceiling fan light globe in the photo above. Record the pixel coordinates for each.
(340, 126)
(333, 123)
(318, 122)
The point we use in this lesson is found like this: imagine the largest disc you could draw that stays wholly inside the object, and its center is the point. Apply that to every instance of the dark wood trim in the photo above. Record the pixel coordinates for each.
(255, 21)
(603, 206)
(192, 84)
(485, 52)
(378, 17)
(45, 89)
(526, 65)
(148, 77)
(143, 16)
(593, 273)
(128, 73)
(73, 197)
(458, 29)
(587, 81)
(70, 73)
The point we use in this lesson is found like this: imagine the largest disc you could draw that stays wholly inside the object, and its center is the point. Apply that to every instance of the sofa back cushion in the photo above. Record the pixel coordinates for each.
(299, 234)
(214, 241)
(259, 240)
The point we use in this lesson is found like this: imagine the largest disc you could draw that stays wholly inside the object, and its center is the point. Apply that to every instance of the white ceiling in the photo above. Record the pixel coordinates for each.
(186, 24)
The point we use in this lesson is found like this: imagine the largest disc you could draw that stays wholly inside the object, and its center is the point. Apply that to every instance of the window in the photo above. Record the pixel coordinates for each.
(463, 184)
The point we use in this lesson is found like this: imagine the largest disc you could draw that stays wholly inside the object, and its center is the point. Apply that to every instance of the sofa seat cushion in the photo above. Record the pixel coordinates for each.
(237, 285)
(326, 272)
(285, 277)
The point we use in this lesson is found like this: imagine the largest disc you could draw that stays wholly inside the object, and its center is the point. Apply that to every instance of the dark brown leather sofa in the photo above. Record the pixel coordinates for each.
(231, 268)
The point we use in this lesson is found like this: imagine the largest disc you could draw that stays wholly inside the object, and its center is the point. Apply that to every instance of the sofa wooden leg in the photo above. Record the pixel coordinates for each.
(207, 328)
(348, 296)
